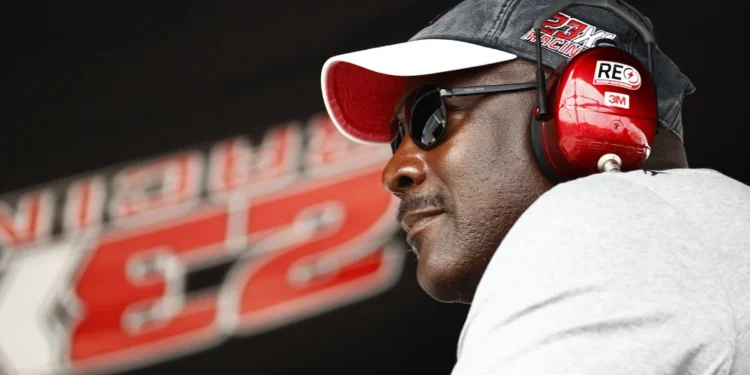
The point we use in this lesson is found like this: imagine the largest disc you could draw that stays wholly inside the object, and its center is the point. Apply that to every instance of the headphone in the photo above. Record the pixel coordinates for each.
(599, 111)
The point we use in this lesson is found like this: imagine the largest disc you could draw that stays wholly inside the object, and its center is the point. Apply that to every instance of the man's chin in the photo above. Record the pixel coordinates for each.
(443, 282)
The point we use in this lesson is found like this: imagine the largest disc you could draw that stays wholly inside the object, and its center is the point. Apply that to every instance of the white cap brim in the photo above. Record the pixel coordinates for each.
(360, 89)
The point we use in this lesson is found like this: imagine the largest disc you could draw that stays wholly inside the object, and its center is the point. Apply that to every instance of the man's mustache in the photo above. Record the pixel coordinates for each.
(414, 203)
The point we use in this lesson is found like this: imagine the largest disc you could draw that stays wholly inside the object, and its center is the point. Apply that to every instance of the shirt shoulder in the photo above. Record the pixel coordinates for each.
(608, 261)
(684, 189)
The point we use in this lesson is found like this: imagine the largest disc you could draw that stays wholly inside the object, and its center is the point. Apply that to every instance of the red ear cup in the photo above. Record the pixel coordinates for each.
(603, 102)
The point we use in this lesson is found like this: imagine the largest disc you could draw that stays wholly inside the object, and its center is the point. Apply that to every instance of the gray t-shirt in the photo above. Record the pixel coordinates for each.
(619, 273)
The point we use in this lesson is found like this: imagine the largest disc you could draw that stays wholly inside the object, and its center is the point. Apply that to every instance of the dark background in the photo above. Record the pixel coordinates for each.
(92, 84)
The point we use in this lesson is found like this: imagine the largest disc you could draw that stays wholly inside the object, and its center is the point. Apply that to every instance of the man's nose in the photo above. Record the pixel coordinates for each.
(405, 170)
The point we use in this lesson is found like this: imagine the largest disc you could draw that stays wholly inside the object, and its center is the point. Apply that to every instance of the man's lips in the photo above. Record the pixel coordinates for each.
(415, 220)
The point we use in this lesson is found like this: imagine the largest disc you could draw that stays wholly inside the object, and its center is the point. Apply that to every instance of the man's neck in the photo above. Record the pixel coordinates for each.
(668, 152)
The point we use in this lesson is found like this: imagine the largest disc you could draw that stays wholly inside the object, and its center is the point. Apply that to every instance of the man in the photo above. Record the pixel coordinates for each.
(639, 272)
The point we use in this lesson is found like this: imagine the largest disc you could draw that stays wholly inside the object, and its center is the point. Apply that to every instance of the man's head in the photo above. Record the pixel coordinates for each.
(461, 197)
(477, 181)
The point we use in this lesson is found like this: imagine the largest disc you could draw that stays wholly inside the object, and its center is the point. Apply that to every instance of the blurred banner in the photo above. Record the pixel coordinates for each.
(145, 262)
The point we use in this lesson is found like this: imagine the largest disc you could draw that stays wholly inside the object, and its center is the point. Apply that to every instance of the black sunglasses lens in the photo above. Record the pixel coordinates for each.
(428, 120)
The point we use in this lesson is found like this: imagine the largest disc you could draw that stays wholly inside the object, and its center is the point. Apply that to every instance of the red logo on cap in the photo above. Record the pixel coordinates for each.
(568, 36)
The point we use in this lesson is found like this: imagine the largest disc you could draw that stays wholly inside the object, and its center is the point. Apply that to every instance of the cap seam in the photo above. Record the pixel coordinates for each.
(498, 23)
(512, 5)
(631, 41)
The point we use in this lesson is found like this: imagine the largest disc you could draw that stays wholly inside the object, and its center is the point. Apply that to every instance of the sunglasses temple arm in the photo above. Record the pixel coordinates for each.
(479, 90)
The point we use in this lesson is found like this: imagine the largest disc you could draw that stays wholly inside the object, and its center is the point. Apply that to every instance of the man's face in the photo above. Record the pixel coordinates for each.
(459, 199)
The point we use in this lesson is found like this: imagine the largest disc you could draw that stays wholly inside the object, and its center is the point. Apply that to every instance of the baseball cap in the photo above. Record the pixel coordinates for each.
(360, 89)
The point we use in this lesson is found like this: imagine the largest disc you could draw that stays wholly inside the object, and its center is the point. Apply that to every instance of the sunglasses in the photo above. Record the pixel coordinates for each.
(425, 116)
